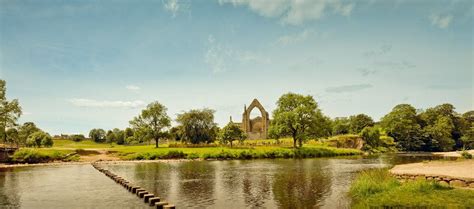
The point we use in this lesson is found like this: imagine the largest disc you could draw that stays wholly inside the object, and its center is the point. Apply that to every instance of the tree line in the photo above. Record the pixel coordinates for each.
(439, 128)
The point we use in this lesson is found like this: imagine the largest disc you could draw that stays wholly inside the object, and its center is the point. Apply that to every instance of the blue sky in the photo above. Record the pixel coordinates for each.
(78, 65)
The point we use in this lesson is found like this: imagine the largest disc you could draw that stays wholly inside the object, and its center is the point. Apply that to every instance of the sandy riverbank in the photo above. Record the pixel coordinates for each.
(455, 169)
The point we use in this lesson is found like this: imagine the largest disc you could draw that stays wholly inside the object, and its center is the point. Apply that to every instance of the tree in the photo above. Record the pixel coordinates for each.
(402, 124)
(25, 131)
(371, 136)
(176, 133)
(230, 133)
(340, 126)
(297, 116)
(119, 136)
(153, 121)
(198, 125)
(443, 127)
(39, 138)
(77, 137)
(10, 111)
(97, 135)
(359, 122)
(440, 134)
(12, 136)
(110, 137)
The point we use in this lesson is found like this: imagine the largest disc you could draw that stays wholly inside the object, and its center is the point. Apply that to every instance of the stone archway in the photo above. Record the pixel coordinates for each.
(256, 128)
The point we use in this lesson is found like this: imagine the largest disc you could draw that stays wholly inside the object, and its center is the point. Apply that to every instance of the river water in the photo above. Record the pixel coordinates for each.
(277, 183)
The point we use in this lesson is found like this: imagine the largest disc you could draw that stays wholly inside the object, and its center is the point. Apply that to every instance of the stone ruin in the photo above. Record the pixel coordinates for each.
(255, 128)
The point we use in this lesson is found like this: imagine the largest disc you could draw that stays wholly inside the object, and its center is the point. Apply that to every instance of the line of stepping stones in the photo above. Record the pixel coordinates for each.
(148, 197)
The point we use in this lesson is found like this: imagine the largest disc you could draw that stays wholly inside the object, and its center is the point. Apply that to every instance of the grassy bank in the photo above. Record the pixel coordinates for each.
(31, 155)
(377, 188)
(150, 153)
(67, 150)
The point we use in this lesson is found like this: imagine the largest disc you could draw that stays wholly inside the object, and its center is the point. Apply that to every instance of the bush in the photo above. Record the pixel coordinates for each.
(39, 138)
(47, 141)
(466, 155)
(26, 155)
(77, 137)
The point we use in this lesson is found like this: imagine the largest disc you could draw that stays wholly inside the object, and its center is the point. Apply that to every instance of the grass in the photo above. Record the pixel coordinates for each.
(34, 155)
(150, 153)
(378, 189)
(68, 150)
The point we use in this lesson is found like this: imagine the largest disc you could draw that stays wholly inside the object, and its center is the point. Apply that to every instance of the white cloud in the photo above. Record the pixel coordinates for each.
(294, 38)
(175, 6)
(80, 102)
(441, 21)
(132, 87)
(219, 56)
(294, 12)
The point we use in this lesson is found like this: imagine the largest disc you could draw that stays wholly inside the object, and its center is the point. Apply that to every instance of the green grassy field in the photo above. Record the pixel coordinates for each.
(378, 189)
(250, 149)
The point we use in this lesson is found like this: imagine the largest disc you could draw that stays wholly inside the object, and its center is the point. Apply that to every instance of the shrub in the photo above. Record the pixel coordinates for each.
(77, 137)
(466, 155)
(39, 138)
(47, 141)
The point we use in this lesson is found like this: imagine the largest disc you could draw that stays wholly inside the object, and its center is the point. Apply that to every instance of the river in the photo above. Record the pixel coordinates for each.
(269, 183)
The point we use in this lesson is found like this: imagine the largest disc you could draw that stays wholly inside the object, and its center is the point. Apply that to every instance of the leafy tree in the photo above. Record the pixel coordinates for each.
(371, 137)
(402, 124)
(128, 132)
(176, 133)
(440, 134)
(469, 116)
(10, 111)
(443, 127)
(47, 141)
(97, 135)
(297, 116)
(12, 136)
(198, 125)
(110, 137)
(340, 126)
(77, 137)
(152, 121)
(119, 136)
(359, 122)
(39, 138)
(230, 133)
(25, 131)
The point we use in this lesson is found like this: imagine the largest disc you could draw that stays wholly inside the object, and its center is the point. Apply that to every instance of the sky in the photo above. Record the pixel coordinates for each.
(77, 65)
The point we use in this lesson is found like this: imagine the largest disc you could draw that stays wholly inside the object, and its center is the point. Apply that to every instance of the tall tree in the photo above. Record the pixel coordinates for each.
(25, 131)
(297, 116)
(359, 122)
(97, 135)
(10, 111)
(153, 120)
(402, 124)
(340, 125)
(198, 125)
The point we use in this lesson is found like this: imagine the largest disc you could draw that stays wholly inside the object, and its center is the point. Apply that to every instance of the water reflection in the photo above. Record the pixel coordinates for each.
(303, 185)
(278, 183)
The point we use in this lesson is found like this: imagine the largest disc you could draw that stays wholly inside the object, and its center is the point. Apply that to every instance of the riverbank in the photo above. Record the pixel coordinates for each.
(378, 188)
(148, 152)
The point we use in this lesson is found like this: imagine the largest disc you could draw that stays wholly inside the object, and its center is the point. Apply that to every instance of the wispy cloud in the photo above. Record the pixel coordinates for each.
(219, 56)
(348, 88)
(384, 49)
(294, 12)
(366, 71)
(441, 21)
(395, 65)
(175, 6)
(132, 87)
(80, 102)
(294, 38)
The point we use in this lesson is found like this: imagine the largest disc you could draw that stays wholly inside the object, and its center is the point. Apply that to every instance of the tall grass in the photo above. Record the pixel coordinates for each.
(378, 189)
(29, 155)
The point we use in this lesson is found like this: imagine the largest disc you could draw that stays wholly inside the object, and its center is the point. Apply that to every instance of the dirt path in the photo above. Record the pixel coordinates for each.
(91, 155)
(459, 169)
